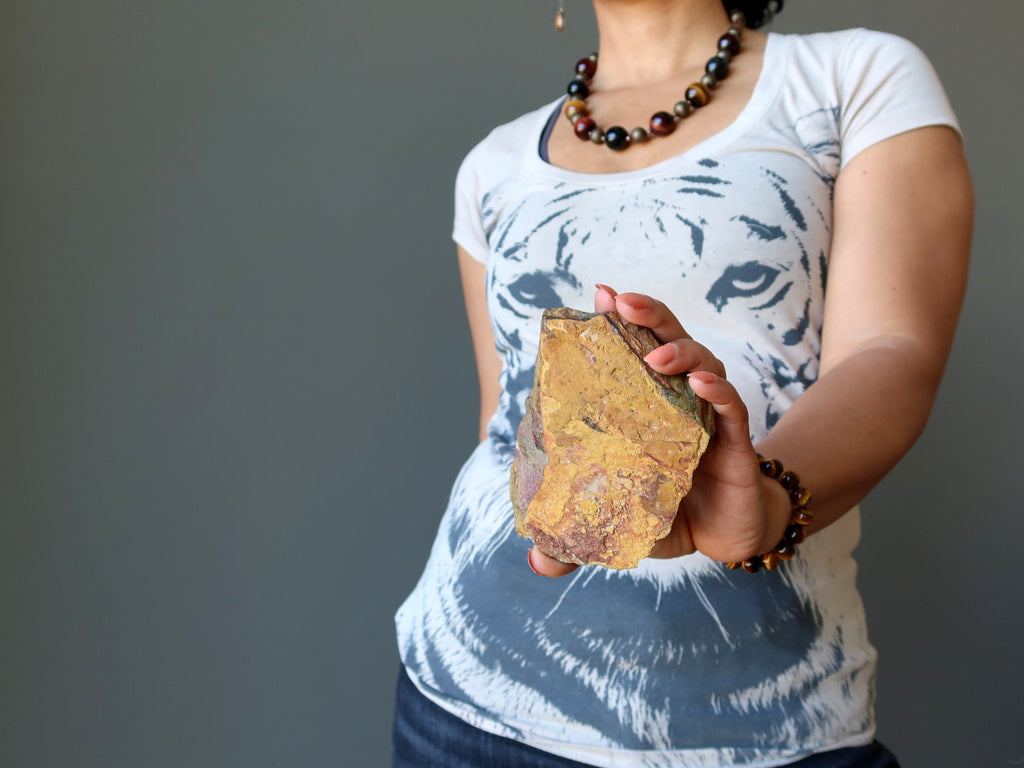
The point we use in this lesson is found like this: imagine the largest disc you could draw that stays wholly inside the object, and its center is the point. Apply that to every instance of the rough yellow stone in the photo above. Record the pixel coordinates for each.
(607, 447)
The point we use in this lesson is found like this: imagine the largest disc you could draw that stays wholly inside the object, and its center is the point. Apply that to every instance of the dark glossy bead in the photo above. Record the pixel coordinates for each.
(794, 534)
(753, 565)
(718, 67)
(583, 126)
(771, 467)
(586, 67)
(663, 123)
(616, 138)
(802, 516)
(789, 480)
(578, 89)
(770, 560)
(729, 42)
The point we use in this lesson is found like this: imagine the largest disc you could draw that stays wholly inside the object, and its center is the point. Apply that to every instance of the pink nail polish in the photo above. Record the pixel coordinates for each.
(704, 376)
(635, 300)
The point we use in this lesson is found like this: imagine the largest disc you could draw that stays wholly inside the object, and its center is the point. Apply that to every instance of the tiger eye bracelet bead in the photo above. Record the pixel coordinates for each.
(799, 518)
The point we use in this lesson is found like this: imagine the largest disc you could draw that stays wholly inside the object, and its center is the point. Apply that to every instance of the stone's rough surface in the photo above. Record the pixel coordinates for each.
(607, 447)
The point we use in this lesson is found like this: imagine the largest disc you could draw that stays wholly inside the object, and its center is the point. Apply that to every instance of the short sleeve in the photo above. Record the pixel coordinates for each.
(888, 86)
(468, 228)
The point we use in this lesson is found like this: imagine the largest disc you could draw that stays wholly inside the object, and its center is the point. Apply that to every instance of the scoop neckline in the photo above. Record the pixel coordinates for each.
(764, 93)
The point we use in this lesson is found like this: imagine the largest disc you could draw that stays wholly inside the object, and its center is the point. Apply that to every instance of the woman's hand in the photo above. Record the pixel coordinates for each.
(730, 513)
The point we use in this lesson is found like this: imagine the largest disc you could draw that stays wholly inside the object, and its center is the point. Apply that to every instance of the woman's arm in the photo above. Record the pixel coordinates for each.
(902, 224)
(488, 363)
(903, 216)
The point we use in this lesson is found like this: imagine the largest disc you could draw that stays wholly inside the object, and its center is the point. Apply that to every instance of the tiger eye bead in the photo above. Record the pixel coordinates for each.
(587, 66)
(578, 89)
(662, 123)
(770, 467)
(753, 565)
(729, 42)
(582, 127)
(789, 480)
(770, 560)
(785, 551)
(802, 516)
(697, 94)
(800, 497)
(575, 107)
(795, 534)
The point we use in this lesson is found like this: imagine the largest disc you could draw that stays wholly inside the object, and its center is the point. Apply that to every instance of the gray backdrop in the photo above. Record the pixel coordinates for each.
(235, 381)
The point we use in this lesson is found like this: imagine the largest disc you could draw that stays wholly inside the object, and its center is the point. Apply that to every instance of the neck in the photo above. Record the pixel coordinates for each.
(647, 41)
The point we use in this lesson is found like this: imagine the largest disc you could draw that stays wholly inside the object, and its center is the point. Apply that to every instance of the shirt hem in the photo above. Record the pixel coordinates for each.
(614, 757)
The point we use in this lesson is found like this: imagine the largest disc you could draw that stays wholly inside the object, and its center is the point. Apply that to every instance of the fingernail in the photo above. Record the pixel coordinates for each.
(634, 300)
(605, 288)
(529, 561)
(660, 356)
(703, 376)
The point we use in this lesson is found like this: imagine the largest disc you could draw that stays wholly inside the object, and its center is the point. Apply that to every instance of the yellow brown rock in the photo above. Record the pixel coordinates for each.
(607, 447)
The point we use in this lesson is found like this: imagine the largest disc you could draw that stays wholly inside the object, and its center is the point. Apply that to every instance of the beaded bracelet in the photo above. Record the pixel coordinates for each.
(800, 517)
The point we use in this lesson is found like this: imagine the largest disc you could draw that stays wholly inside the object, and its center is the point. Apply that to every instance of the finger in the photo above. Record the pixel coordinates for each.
(683, 356)
(732, 423)
(604, 299)
(545, 565)
(651, 313)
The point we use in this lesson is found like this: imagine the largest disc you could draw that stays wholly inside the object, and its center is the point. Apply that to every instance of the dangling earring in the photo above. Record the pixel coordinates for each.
(560, 16)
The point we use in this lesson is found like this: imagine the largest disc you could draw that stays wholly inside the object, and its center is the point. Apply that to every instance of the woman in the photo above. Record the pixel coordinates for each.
(823, 158)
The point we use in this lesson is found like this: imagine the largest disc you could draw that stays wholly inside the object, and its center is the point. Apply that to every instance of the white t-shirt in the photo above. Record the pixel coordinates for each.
(679, 662)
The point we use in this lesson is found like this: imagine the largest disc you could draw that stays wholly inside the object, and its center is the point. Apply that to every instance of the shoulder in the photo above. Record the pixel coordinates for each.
(842, 45)
(875, 81)
(851, 58)
(504, 149)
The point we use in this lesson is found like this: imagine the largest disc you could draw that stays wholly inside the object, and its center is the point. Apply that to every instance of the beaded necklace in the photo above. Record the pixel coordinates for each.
(662, 123)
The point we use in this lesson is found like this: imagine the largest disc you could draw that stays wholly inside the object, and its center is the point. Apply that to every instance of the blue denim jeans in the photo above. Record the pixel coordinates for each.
(427, 736)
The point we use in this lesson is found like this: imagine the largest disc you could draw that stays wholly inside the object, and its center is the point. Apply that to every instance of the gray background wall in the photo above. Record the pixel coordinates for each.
(235, 382)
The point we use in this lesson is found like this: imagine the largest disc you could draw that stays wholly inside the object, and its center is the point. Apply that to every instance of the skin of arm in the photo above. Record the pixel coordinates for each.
(903, 219)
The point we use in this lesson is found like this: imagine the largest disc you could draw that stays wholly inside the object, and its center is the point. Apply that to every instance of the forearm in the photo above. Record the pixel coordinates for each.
(851, 427)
